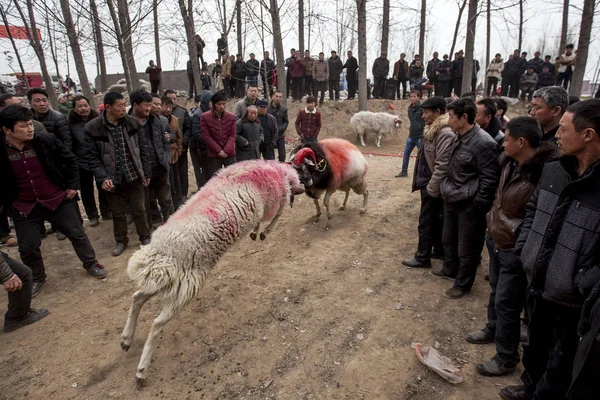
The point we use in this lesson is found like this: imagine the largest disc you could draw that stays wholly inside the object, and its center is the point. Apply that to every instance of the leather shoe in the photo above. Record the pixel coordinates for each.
(401, 174)
(438, 256)
(454, 293)
(60, 235)
(118, 249)
(31, 317)
(145, 242)
(494, 368)
(94, 222)
(97, 271)
(440, 273)
(514, 393)
(36, 287)
(479, 337)
(414, 263)
(107, 217)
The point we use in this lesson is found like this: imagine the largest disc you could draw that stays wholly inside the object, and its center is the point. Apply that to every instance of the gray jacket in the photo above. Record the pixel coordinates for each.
(248, 139)
(159, 144)
(474, 170)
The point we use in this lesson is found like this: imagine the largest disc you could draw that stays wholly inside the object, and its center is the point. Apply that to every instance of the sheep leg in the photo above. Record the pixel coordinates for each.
(269, 227)
(139, 299)
(378, 140)
(316, 217)
(343, 206)
(326, 203)
(362, 140)
(255, 232)
(363, 210)
(167, 313)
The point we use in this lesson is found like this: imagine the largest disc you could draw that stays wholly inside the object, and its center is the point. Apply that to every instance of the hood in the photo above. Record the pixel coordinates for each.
(531, 171)
(432, 130)
(205, 100)
(74, 118)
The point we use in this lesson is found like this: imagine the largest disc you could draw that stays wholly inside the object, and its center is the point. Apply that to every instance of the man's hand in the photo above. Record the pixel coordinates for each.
(108, 185)
(71, 193)
(147, 182)
(167, 137)
(13, 284)
(222, 154)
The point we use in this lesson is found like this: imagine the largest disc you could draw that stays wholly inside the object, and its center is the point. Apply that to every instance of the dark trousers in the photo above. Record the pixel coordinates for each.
(430, 227)
(183, 173)
(281, 149)
(492, 86)
(288, 83)
(548, 358)
(320, 86)
(457, 85)
(437, 89)
(334, 89)
(159, 190)
(463, 238)
(474, 86)
(64, 219)
(507, 292)
(128, 197)
(87, 180)
(401, 81)
(267, 150)
(154, 86)
(563, 78)
(199, 161)
(175, 184)
(252, 81)
(308, 85)
(297, 88)
(192, 87)
(4, 225)
(352, 85)
(215, 164)
(446, 88)
(527, 90)
(510, 86)
(379, 87)
(309, 140)
(240, 87)
(19, 300)
(227, 87)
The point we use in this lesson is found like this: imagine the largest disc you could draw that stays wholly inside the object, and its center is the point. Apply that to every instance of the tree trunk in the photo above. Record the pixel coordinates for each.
(119, 37)
(488, 35)
(100, 46)
(301, 27)
(14, 45)
(156, 36)
(361, 7)
(565, 27)
(520, 45)
(460, 13)
(278, 42)
(469, 47)
(126, 31)
(34, 41)
(239, 27)
(52, 44)
(187, 15)
(385, 27)
(587, 19)
(77, 54)
(422, 29)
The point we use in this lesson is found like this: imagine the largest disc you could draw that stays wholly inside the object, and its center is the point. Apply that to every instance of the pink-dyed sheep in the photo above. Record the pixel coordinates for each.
(185, 249)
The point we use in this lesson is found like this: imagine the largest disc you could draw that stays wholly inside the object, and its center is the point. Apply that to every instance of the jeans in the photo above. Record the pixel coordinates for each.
(281, 149)
(416, 85)
(252, 80)
(507, 292)
(215, 164)
(128, 197)
(159, 189)
(308, 140)
(548, 358)
(64, 219)
(183, 173)
(86, 180)
(320, 86)
(430, 227)
(334, 89)
(19, 300)
(492, 86)
(408, 148)
(463, 238)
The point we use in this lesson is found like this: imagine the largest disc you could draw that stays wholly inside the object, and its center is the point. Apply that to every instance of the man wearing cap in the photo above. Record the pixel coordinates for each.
(546, 64)
(219, 131)
(401, 76)
(335, 69)
(566, 66)
(381, 68)
(444, 77)
(431, 168)
(431, 71)
(271, 133)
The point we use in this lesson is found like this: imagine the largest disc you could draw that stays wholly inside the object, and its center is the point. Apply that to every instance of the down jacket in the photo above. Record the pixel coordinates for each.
(381, 67)
(559, 243)
(335, 68)
(517, 184)
(308, 124)
(474, 169)
(56, 124)
(218, 133)
(77, 126)
(281, 116)
(248, 139)
(495, 69)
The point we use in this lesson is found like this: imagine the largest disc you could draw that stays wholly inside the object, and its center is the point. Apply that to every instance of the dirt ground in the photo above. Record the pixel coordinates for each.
(306, 314)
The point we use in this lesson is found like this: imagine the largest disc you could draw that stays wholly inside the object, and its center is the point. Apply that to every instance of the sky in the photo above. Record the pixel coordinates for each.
(330, 29)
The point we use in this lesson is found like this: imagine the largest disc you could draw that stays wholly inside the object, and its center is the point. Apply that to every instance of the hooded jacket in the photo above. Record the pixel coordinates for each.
(248, 139)
(77, 125)
(335, 68)
(495, 69)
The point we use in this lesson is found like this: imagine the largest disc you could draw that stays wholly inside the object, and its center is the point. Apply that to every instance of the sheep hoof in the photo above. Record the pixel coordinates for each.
(328, 226)
(342, 208)
(125, 346)
(263, 236)
(363, 211)
(313, 219)
(253, 236)
(140, 382)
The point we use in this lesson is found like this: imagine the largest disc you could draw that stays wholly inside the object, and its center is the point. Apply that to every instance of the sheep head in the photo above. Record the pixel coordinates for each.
(397, 122)
(292, 177)
(305, 163)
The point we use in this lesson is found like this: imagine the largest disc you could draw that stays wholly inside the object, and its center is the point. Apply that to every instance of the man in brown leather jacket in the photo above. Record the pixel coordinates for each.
(522, 163)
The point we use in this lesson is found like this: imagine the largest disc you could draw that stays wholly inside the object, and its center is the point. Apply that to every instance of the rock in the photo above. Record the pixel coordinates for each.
(399, 306)
(360, 336)
(74, 384)
(369, 290)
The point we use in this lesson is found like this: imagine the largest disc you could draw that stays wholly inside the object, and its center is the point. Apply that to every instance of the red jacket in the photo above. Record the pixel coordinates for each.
(297, 68)
(218, 133)
(154, 73)
(308, 125)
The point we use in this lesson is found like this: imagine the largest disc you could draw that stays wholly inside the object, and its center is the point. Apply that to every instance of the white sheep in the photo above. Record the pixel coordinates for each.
(380, 123)
(185, 249)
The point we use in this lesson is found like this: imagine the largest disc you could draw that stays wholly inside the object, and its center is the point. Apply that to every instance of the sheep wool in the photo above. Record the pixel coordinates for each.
(382, 124)
(184, 250)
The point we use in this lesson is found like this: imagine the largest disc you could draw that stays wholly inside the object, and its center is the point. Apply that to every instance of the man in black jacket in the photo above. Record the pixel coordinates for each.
(559, 246)
(381, 69)
(280, 112)
(239, 76)
(351, 66)
(468, 192)
(185, 128)
(457, 72)
(432, 74)
(252, 69)
(335, 69)
(547, 107)
(40, 182)
(512, 75)
(487, 120)
(55, 122)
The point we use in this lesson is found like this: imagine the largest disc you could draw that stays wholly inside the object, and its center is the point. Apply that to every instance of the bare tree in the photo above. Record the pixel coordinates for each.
(301, 27)
(565, 26)
(187, 15)
(520, 45)
(14, 46)
(361, 8)
(76, 49)
(385, 27)
(34, 41)
(156, 36)
(239, 28)
(278, 43)
(461, 8)
(422, 29)
(469, 47)
(130, 78)
(52, 42)
(488, 35)
(99, 45)
(587, 19)
(127, 33)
